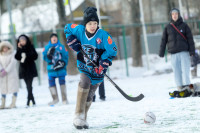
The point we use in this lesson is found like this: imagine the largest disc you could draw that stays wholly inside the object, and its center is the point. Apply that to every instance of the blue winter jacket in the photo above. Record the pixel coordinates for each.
(61, 53)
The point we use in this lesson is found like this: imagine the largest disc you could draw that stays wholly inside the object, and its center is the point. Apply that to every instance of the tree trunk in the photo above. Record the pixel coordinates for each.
(135, 34)
(130, 15)
(72, 16)
(71, 67)
(136, 47)
(61, 13)
(188, 9)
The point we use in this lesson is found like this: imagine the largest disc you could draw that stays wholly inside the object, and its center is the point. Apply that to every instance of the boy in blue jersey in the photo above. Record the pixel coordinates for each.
(56, 57)
(101, 49)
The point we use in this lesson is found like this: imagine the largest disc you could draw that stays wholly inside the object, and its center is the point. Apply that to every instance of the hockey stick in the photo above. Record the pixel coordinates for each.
(135, 99)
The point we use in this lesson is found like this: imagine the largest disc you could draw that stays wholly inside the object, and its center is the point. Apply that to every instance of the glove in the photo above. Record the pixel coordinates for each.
(161, 55)
(23, 57)
(3, 73)
(59, 65)
(73, 43)
(50, 52)
(103, 66)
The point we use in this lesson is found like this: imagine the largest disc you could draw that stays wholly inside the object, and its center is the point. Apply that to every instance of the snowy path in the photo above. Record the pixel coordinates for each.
(116, 115)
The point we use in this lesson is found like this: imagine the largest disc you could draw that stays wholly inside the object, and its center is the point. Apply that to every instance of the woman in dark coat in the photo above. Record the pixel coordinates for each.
(26, 54)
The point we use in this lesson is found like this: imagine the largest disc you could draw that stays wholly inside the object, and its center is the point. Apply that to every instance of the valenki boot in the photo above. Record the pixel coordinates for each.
(3, 103)
(64, 94)
(87, 106)
(13, 103)
(54, 95)
(79, 119)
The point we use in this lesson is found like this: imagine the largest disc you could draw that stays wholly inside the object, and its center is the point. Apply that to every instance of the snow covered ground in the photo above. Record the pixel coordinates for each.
(116, 114)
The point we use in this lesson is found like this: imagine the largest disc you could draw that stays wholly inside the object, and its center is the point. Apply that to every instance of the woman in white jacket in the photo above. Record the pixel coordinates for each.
(9, 80)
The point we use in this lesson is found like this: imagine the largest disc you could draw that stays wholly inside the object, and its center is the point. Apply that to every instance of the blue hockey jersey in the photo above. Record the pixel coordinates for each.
(60, 54)
(99, 46)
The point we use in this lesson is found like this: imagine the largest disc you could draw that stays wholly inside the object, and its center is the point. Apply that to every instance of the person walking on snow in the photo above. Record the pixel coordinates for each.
(178, 38)
(100, 48)
(56, 57)
(9, 80)
(27, 55)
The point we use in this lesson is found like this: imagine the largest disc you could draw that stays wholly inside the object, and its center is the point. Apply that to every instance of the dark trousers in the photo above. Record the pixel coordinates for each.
(29, 87)
(102, 90)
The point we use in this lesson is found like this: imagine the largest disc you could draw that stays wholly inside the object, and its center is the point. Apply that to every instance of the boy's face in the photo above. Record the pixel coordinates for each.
(54, 40)
(91, 26)
(175, 16)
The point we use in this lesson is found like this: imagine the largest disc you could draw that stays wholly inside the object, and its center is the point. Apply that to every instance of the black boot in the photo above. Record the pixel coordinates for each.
(28, 102)
(33, 101)
(32, 98)
(102, 98)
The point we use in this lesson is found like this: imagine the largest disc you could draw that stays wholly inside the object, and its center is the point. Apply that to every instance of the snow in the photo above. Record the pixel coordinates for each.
(116, 114)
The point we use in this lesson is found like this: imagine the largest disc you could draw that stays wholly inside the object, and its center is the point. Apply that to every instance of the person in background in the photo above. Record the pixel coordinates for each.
(56, 57)
(178, 38)
(26, 55)
(9, 80)
(101, 92)
(100, 48)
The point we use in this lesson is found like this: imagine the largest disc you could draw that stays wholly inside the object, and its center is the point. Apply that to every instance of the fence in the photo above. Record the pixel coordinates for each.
(121, 35)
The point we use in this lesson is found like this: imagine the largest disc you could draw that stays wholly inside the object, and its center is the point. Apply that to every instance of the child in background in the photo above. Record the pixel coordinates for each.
(9, 80)
(56, 57)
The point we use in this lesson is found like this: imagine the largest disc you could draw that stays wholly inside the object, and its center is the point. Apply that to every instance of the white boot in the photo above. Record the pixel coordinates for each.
(64, 94)
(13, 104)
(54, 95)
(3, 103)
(79, 120)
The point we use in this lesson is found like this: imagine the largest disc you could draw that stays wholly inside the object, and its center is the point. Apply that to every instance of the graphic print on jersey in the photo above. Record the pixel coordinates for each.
(90, 51)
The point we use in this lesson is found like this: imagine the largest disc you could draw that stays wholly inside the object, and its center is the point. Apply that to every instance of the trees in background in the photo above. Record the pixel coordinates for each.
(127, 12)
(62, 22)
(130, 15)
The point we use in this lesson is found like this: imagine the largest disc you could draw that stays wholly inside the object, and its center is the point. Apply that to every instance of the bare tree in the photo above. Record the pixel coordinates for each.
(62, 21)
(135, 34)
(131, 14)
(2, 6)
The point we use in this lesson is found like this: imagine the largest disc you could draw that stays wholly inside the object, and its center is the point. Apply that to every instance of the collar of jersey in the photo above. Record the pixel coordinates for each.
(89, 38)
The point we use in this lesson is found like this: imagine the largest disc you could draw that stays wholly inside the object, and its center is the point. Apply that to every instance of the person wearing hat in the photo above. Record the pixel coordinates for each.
(100, 48)
(26, 55)
(9, 79)
(178, 38)
(56, 57)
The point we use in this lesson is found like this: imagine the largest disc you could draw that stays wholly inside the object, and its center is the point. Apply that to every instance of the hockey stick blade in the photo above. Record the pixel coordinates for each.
(134, 99)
